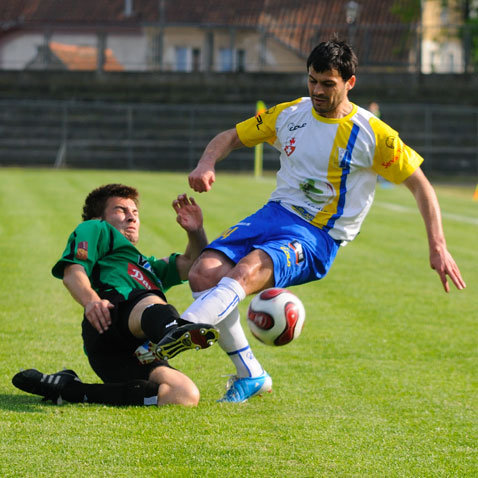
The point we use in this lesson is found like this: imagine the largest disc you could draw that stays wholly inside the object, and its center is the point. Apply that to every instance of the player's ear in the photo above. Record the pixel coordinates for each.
(350, 83)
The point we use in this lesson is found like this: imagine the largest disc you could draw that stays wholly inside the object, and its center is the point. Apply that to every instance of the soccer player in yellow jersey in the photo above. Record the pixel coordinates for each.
(331, 152)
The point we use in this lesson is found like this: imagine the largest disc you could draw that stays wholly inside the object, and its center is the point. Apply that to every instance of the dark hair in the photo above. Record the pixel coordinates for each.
(95, 202)
(334, 55)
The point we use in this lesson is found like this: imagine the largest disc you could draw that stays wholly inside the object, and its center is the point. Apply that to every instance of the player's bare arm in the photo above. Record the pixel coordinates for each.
(78, 284)
(203, 176)
(189, 217)
(440, 259)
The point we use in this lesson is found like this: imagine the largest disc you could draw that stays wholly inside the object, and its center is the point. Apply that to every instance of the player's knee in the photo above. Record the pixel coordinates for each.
(189, 395)
(208, 270)
(175, 388)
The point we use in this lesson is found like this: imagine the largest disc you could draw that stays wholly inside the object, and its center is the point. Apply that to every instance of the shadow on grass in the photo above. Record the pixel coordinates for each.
(23, 403)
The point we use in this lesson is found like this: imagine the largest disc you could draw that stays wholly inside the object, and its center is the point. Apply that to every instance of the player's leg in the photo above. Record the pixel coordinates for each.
(165, 386)
(174, 387)
(166, 334)
(252, 273)
(222, 300)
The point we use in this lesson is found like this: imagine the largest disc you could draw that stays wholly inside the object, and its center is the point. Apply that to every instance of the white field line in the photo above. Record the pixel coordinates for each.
(447, 215)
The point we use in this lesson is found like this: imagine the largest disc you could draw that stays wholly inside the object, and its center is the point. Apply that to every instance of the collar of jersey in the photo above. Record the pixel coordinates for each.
(335, 120)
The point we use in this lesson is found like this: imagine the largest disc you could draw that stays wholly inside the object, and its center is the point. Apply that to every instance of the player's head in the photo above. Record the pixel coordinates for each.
(331, 75)
(116, 204)
(333, 55)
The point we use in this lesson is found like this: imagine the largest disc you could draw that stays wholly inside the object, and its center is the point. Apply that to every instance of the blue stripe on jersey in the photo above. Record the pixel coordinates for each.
(345, 165)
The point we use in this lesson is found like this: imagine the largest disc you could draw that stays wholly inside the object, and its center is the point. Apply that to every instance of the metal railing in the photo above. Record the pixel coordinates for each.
(172, 137)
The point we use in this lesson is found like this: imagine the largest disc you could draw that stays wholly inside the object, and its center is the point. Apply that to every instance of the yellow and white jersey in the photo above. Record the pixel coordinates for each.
(329, 166)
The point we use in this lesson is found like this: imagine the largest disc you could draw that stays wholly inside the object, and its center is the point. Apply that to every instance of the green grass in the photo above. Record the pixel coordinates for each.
(382, 382)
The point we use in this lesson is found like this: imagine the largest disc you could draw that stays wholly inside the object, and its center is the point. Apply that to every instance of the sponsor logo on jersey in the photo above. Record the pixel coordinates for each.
(304, 213)
(390, 142)
(396, 157)
(286, 251)
(143, 262)
(228, 232)
(289, 147)
(259, 121)
(140, 278)
(294, 127)
(320, 193)
(296, 246)
(82, 251)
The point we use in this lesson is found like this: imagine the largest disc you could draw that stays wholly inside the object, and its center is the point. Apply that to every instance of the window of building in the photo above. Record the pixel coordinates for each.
(225, 59)
(181, 60)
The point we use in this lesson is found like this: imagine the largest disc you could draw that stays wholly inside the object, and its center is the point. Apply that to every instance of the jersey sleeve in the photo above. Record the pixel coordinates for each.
(262, 127)
(167, 271)
(393, 159)
(86, 245)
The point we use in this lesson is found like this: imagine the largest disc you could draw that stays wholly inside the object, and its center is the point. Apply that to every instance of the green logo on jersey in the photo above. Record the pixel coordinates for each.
(309, 189)
(315, 194)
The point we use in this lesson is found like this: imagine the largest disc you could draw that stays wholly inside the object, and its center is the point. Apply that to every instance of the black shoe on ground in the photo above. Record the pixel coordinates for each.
(48, 386)
(185, 337)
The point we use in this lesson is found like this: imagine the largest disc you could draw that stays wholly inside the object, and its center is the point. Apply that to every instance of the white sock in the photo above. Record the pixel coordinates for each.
(233, 341)
(215, 304)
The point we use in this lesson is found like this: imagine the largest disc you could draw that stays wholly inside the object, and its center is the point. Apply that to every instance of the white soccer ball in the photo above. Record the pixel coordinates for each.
(276, 316)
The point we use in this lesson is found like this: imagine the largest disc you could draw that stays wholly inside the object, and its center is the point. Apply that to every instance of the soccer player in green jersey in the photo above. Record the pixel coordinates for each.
(129, 330)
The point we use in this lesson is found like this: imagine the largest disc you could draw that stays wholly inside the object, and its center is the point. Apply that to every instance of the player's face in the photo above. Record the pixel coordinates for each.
(328, 91)
(122, 214)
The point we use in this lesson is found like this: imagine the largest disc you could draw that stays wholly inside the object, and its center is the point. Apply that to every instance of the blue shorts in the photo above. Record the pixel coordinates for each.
(299, 251)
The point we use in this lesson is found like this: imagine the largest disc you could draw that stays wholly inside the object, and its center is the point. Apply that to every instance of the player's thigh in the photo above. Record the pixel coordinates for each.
(254, 272)
(134, 320)
(208, 269)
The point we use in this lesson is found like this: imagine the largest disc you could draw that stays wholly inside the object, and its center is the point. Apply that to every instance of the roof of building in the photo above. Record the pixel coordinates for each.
(76, 57)
(377, 33)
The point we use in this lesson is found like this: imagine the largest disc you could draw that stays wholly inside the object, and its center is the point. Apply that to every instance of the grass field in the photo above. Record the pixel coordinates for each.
(382, 382)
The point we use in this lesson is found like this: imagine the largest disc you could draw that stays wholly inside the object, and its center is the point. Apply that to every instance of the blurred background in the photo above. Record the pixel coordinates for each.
(144, 84)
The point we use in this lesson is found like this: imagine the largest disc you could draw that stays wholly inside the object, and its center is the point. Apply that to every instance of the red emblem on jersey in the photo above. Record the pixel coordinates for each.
(139, 277)
(289, 147)
(82, 251)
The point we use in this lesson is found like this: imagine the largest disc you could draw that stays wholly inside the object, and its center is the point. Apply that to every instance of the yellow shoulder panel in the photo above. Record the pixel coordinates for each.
(261, 128)
(393, 159)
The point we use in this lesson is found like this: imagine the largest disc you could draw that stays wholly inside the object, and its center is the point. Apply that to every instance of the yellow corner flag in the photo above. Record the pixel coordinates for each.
(475, 194)
(259, 148)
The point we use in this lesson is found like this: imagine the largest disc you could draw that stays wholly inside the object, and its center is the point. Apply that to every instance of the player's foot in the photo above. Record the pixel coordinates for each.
(181, 338)
(48, 386)
(241, 389)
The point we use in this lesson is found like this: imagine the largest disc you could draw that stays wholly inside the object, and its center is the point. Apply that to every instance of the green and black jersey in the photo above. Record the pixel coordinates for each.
(113, 263)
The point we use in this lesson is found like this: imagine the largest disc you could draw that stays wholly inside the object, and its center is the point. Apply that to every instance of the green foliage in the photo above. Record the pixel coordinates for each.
(382, 382)
(407, 11)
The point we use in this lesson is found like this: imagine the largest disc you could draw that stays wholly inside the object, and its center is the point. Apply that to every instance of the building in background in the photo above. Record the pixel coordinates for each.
(450, 35)
(198, 35)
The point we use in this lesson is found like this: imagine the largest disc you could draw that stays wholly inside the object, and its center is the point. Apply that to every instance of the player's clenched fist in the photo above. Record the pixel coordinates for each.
(202, 178)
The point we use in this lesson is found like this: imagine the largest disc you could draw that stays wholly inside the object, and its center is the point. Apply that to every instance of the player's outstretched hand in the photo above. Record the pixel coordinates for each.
(98, 314)
(202, 178)
(188, 213)
(445, 265)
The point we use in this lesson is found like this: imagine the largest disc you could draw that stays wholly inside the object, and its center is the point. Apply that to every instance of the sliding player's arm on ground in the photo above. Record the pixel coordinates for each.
(96, 309)
(203, 176)
(440, 259)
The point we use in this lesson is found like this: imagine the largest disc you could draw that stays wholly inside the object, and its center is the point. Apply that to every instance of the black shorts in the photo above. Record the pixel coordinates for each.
(111, 354)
